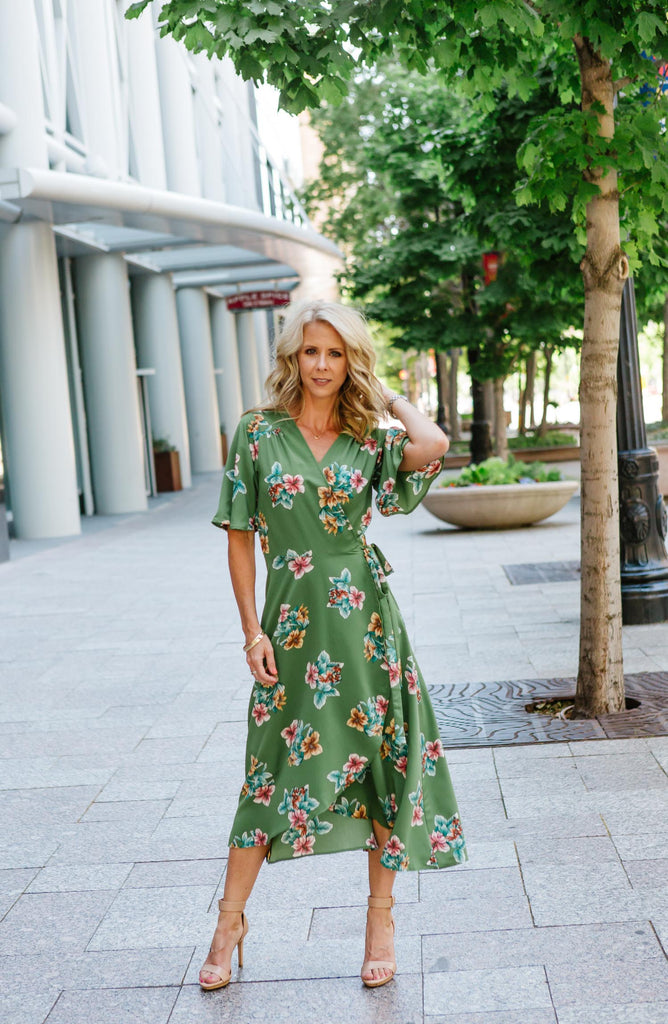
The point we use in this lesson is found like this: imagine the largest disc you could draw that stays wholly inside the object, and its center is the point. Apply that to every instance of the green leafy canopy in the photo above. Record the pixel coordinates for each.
(311, 51)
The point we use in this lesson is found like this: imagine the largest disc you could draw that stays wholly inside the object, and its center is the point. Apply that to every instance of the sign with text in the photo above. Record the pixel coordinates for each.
(257, 300)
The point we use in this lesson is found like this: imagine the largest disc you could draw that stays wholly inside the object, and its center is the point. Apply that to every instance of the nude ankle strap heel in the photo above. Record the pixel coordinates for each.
(223, 978)
(379, 903)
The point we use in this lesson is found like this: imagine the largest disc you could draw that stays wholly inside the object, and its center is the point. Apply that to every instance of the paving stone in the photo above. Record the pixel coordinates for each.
(125, 968)
(617, 772)
(560, 826)
(649, 1013)
(157, 789)
(165, 751)
(618, 982)
(648, 874)
(155, 917)
(491, 883)
(16, 879)
(21, 1005)
(504, 756)
(460, 915)
(340, 1001)
(537, 769)
(80, 878)
(130, 1005)
(177, 873)
(267, 958)
(48, 921)
(489, 854)
(621, 746)
(484, 991)
(31, 853)
(463, 772)
(140, 811)
(547, 801)
(632, 941)
(635, 810)
(582, 907)
(543, 1016)
(594, 850)
(641, 847)
(81, 741)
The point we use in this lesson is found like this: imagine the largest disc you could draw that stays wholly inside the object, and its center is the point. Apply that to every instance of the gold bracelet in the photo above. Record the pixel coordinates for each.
(253, 643)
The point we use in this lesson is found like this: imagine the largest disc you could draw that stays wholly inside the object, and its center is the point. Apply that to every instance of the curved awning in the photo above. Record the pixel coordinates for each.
(200, 241)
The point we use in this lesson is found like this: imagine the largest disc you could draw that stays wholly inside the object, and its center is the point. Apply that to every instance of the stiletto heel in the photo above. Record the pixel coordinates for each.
(225, 907)
(379, 903)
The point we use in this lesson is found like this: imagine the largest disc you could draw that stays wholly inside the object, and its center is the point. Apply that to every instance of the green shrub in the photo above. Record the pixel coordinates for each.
(552, 439)
(497, 471)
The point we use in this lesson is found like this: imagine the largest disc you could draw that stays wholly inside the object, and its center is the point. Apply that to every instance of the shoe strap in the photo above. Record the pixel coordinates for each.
(232, 906)
(213, 969)
(381, 902)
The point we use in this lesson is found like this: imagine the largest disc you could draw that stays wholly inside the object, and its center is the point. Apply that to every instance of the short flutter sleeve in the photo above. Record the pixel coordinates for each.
(399, 491)
(237, 505)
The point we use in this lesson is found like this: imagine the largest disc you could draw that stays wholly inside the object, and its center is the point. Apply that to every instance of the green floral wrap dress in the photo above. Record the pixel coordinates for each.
(347, 733)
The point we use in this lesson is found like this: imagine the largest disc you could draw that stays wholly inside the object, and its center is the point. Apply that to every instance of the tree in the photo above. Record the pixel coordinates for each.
(596, 156)
(415, 185)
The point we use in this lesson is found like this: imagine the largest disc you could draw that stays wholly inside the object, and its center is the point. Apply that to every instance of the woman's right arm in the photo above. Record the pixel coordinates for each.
(241, 558)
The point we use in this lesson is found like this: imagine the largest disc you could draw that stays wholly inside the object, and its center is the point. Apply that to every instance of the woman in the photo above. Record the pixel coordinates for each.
(343, 749)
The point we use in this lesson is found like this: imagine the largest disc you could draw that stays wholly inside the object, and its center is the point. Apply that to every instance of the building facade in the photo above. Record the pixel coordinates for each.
(136, 197)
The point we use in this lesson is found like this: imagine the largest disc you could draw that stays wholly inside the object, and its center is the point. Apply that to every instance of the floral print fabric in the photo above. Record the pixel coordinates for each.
(347, 733)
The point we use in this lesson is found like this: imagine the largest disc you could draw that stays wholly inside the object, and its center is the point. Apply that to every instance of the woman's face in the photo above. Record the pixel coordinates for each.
(323, 364)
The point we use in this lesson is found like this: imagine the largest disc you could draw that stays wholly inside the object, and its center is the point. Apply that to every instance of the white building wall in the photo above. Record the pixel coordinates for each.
(85, 92)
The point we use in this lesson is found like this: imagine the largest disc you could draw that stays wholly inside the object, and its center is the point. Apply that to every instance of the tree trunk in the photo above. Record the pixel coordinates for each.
(530, 420)
(442, 417)
(542, 430)
(453, 398)
(481, 438)
(521, 402)
(664, 401)
(488, 391)
(600, 685)
(500, 432)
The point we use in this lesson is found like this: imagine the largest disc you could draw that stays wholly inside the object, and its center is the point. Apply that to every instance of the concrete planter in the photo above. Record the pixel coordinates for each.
(501, 506)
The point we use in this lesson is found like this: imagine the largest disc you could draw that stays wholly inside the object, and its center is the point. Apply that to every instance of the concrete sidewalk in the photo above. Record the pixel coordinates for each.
(123, 696)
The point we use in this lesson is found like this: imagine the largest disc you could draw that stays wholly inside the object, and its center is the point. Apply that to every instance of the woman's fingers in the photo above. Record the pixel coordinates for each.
(262, 663)
(269, 658)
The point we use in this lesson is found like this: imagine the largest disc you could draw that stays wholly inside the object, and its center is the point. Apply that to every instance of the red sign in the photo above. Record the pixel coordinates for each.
(490, 263)
(257, 300)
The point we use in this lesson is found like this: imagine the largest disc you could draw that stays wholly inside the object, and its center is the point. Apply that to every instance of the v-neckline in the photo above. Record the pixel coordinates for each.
(318, 462)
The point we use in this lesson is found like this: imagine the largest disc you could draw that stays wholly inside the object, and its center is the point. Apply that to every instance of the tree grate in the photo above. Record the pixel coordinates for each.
(542, 572)
(494, 714)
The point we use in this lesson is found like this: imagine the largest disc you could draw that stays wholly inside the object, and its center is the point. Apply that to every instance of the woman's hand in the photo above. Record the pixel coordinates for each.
(426, 440)
(262, 663)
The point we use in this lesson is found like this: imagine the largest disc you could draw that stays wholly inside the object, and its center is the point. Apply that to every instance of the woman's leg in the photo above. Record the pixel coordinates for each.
(243, 868)
(379, 931)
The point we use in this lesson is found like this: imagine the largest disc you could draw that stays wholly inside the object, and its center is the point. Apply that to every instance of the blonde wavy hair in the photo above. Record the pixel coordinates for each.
(360, 404)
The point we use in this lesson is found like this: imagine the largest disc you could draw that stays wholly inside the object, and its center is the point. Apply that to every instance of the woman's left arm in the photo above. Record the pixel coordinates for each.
(426, 440)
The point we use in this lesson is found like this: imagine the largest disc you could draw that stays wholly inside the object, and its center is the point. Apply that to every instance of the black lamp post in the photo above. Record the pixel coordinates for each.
(643, 517)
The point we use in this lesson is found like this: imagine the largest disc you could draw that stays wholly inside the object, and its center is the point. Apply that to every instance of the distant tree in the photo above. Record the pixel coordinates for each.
(596, 157)
(417, 184)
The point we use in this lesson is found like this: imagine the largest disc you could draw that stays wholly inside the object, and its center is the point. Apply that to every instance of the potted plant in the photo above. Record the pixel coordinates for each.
(500, 494)
(167, 465)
